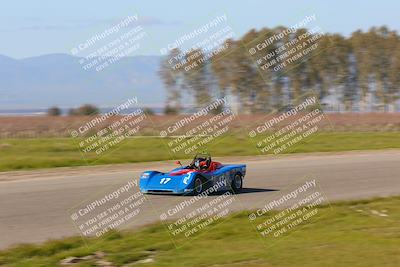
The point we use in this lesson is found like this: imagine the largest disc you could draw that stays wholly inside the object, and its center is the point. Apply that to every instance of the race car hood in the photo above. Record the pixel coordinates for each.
(178, 172)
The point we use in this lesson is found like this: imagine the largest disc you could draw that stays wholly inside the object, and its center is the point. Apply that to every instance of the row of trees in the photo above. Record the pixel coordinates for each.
(354, 71)
(84, 110)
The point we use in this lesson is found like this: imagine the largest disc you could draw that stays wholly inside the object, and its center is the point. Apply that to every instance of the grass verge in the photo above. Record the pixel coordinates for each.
(18, 154)
(345, 234)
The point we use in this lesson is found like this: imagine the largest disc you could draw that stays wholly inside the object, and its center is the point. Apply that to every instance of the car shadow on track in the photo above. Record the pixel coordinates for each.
(245, 191)
(256, 190)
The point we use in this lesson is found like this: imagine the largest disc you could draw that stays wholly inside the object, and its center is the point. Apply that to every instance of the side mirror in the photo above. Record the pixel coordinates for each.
(178, 162)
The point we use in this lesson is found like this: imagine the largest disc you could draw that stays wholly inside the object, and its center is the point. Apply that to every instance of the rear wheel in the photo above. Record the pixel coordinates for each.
(198, 186)
(237, 183)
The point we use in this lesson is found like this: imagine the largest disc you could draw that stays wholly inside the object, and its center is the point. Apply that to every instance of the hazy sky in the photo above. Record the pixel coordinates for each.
(32, 28)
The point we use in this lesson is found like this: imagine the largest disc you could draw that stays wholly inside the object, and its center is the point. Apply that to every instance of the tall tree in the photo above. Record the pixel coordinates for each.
(196, 77)
(170, 73)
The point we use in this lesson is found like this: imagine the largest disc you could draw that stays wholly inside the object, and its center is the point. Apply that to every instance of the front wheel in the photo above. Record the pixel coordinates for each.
(237, 183)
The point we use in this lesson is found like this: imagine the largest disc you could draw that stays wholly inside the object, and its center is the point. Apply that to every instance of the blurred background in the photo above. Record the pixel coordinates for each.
(305, 90)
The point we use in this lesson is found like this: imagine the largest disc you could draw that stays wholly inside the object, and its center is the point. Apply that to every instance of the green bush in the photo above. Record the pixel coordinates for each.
(84, 110)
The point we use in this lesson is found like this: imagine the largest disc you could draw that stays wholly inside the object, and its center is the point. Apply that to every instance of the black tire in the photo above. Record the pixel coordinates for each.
(237, 183)
(198, 186)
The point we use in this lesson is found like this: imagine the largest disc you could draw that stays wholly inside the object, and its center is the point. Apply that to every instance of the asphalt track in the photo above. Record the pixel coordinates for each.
(36, 205)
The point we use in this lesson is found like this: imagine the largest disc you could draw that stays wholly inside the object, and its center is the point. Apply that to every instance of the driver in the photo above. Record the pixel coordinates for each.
(201, 164)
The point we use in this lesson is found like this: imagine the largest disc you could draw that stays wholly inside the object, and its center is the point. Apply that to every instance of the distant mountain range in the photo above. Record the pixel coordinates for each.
(59, 79)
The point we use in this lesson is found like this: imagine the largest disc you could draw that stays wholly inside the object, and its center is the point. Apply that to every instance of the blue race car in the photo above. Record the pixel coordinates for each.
(201, 175)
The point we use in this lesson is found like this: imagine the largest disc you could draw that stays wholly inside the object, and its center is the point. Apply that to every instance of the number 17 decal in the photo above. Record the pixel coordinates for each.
(165, 180)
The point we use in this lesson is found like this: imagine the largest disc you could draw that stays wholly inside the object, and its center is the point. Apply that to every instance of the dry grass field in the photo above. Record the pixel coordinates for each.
(45, 126)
